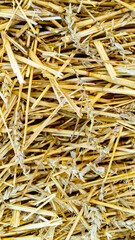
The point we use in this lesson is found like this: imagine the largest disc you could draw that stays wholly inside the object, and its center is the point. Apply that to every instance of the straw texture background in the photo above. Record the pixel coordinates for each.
(67, 125)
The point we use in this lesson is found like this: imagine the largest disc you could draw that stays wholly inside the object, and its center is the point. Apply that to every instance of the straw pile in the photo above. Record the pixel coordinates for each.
(67, 126)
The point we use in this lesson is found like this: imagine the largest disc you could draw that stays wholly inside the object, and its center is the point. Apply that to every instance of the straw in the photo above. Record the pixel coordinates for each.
(67, 124)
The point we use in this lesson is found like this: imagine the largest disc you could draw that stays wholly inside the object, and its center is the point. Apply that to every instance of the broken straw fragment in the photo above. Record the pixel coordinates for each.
(13, 61)
(104, 57)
